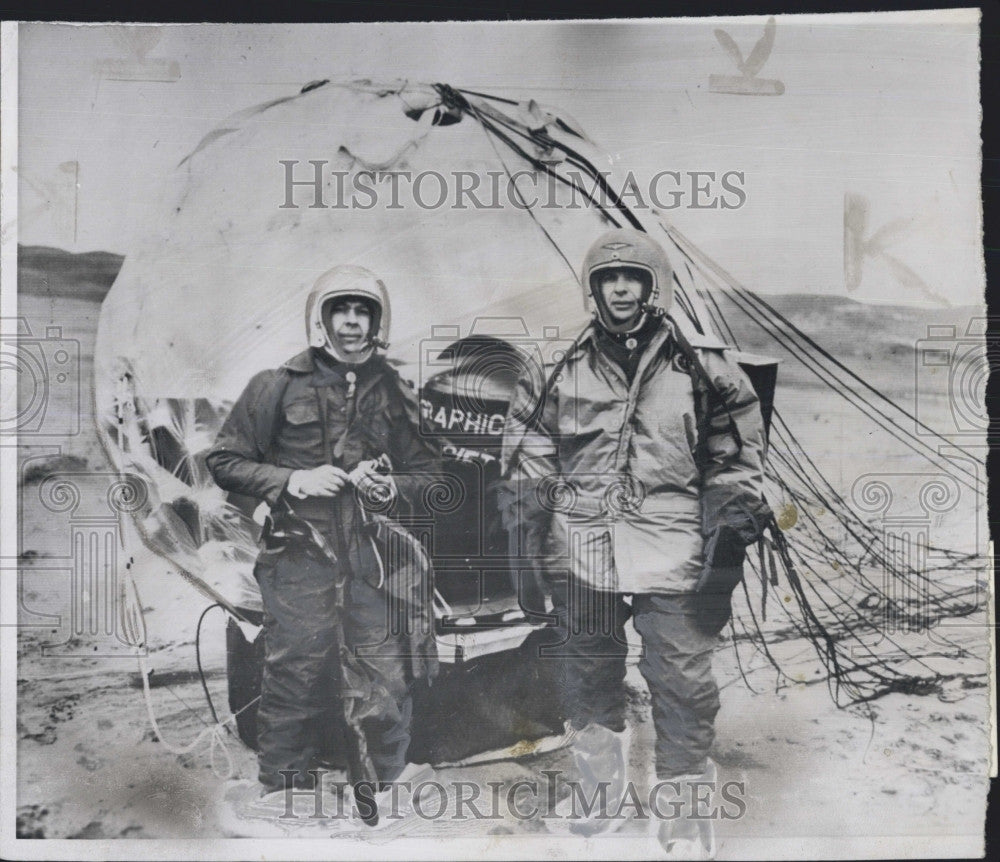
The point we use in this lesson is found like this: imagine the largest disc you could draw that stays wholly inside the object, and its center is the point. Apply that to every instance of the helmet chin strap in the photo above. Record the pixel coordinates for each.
(371, 344)
(646, 311)
(356, 358)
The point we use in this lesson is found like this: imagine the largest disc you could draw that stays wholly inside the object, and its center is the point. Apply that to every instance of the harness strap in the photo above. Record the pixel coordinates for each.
(338, 448)
(703, 383)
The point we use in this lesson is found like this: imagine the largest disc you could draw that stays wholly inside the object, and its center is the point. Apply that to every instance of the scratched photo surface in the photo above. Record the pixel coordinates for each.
(799, 201)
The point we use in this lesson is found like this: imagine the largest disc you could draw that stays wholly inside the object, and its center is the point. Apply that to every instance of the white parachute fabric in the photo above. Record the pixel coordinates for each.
(216, 291)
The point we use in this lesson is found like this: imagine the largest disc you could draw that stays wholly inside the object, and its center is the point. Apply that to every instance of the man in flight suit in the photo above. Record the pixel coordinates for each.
(637, 470)
(314, 437)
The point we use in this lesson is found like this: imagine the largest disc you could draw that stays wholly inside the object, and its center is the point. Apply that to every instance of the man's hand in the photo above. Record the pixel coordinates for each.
(323, 481)
(372, 485)
(721, 574)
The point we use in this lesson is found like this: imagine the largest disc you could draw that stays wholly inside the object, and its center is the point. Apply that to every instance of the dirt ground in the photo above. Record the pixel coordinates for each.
(904, 775)
(89, 765)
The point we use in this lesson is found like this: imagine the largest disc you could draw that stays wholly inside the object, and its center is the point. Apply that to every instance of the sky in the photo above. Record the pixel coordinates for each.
(861, 168)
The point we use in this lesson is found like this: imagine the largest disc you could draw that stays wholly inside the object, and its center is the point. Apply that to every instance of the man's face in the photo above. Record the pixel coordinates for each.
(623, 289)
(350, 324)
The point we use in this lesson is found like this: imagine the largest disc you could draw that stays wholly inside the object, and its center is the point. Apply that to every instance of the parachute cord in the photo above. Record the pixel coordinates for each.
(735, 290)
(487, 96)
(854, 397)
(201, 672)
(736, 652)
(843, 513)
(492, 120)
(134, 629)
(213, 734)
(542, 138)
(739, 295)
(497, 118)
(761, 640)
(813, 623)
(487, 129)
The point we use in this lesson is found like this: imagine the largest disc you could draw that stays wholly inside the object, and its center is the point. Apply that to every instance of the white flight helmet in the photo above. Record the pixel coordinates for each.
(339, 283)
(625, 247)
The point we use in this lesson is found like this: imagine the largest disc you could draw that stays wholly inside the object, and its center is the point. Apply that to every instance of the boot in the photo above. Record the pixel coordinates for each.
(250, 810)
(395, 803)
(681, 836)
(600, 755)
(414, 775)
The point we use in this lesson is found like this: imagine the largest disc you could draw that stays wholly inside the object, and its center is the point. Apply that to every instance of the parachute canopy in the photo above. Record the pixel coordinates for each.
(366, 174)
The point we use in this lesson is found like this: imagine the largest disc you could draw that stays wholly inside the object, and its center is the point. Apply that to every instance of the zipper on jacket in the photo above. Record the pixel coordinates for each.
(632, 399)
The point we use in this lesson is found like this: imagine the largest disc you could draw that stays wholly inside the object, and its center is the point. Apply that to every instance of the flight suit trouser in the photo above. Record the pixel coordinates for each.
(300, 681)
(676, 664)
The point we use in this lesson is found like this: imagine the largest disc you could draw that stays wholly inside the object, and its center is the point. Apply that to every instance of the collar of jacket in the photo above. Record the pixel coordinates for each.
(304, 363)
(656, 340)
(301, 363)
(699, 340)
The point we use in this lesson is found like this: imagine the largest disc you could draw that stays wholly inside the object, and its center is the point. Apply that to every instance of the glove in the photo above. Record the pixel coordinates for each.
(721, 574)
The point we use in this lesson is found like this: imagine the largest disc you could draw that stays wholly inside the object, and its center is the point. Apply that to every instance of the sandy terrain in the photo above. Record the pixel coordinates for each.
(817, 777)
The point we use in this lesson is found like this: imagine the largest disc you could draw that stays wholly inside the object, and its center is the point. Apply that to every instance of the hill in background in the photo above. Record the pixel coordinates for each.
(44, 271)
(850, 328)
(878, 342)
